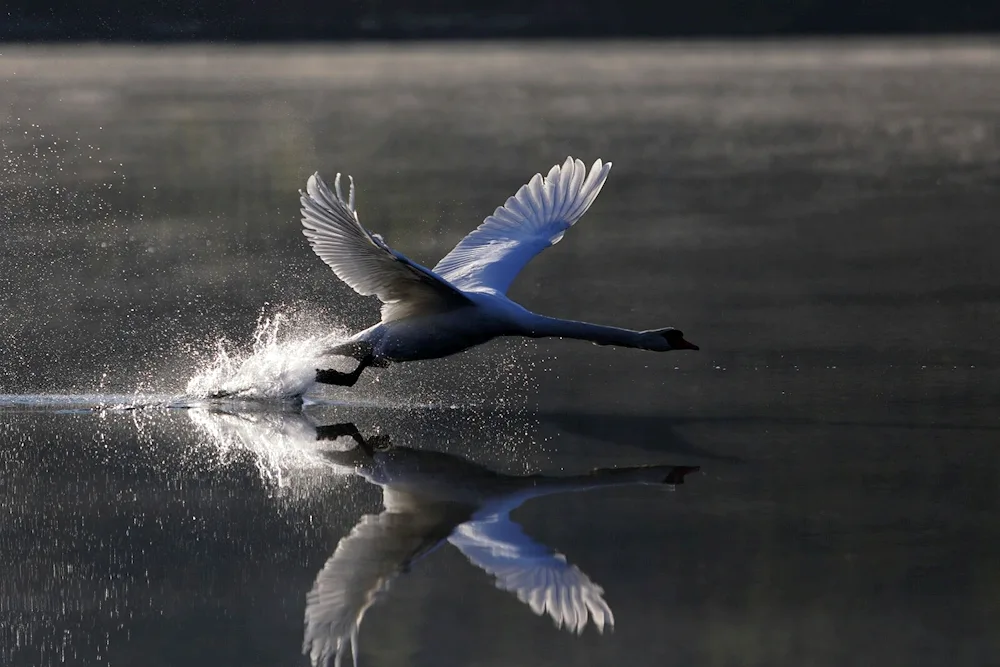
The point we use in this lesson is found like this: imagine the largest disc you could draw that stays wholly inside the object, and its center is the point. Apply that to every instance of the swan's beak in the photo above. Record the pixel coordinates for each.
(684, 345)
(676, 475)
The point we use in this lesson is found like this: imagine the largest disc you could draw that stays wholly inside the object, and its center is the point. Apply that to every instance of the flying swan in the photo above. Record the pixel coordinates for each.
(461, 302)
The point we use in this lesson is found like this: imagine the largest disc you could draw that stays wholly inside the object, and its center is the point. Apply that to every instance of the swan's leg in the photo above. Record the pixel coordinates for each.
(367, 447)
(375, 443)
(334, 431)
(359, 350)
(355, 456)
(330, 376)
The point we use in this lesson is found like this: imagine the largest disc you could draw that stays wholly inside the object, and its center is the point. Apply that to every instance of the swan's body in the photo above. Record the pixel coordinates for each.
(440, 334)
(462, 302)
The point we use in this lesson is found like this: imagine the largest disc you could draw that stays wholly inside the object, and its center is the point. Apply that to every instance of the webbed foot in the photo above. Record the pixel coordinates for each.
(330, 376)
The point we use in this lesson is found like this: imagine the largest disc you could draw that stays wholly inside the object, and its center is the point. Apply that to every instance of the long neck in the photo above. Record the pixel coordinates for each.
(602, 477)
(539, 326)
(517, 490)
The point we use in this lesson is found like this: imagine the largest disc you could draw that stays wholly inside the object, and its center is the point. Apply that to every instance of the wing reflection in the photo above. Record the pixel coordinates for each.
(430, 498)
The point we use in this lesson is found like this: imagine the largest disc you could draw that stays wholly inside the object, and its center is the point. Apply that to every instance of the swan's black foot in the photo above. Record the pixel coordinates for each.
(330, 376)
(334, 431)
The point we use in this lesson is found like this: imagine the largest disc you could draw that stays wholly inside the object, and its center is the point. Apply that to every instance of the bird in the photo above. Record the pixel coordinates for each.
(462, 302)
(431, 498)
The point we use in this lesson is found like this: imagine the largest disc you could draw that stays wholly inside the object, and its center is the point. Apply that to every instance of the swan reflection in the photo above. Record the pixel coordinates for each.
(430, 498)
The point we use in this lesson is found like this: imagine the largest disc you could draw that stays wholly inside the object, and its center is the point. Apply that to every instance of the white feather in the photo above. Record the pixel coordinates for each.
(530, 221)
(359, 573)
(537, 575)
(364, 261)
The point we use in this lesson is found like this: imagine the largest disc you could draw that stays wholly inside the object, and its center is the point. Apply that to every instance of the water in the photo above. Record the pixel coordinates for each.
(818, 217)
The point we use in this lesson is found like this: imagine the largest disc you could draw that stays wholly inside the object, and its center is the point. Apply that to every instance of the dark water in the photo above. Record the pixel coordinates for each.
(819, 218)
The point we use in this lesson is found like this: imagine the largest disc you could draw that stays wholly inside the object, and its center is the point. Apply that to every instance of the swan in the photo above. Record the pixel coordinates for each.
(431, 498)
(461, 302)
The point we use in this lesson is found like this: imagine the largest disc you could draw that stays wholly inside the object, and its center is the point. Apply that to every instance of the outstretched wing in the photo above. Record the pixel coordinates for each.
(364, 261)
(532, 220)
(359, 573)
(537, 575)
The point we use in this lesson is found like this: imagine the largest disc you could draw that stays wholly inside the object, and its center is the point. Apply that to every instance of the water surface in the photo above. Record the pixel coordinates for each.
(819, 218)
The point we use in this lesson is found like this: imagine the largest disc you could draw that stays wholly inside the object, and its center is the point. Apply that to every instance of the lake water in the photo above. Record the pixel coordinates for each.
(820, 217)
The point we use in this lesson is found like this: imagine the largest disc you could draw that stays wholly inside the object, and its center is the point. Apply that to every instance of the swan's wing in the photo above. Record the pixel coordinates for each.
(537, 575)
(532, 220)
(364, 261)
(359, 573)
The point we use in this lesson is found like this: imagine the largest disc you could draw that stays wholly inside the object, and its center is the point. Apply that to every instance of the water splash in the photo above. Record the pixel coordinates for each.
(64, 211)
(280, 363)
(281, 444)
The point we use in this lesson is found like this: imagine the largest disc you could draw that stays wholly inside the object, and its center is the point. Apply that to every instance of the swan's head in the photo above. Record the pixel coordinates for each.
(664, 340)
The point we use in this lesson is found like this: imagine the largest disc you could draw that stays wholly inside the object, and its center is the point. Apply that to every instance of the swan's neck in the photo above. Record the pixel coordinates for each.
(513, 491)
(539, 326)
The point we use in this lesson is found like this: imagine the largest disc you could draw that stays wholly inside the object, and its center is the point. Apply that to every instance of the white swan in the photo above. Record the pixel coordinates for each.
(428, 314)
(431, 498)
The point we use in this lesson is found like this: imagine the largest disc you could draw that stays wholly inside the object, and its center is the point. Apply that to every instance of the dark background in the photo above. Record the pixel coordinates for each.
(240, 20)
(819, 216)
